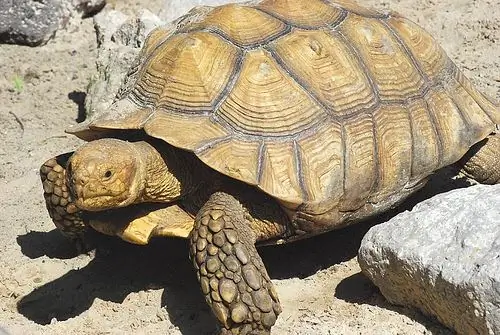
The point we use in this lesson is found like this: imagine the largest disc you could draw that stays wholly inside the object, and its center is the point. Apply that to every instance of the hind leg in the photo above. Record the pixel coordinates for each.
(482, 161)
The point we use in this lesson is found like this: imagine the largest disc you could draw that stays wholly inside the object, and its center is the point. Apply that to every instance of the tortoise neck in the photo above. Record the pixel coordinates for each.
(167, 172)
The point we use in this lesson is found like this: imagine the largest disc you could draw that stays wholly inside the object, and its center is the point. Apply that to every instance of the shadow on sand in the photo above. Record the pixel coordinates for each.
(119, 268)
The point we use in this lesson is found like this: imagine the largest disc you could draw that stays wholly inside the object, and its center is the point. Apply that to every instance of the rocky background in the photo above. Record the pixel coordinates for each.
(120, 288)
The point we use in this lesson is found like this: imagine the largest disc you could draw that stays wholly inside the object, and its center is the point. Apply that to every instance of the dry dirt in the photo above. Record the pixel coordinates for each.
(120, 288)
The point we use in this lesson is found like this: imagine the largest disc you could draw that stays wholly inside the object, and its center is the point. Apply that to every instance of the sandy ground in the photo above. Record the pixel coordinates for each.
(120, 288)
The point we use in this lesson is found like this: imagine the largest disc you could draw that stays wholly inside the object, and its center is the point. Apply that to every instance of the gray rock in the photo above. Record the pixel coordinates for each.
(34, 22)
(119, 39)
(442, 257)
(85, 8)
(28, 22)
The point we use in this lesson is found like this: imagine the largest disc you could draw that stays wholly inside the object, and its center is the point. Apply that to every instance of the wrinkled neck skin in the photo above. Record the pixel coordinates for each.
(168, 173)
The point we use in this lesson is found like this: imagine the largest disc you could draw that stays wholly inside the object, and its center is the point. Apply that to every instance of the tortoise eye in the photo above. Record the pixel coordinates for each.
(107, 174)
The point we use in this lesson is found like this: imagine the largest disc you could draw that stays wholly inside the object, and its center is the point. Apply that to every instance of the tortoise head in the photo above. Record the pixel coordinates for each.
(106, 173)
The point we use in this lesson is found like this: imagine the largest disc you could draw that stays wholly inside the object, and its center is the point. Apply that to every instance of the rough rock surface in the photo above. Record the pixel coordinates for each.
(119, 40)
(442, 257)
(34, 22)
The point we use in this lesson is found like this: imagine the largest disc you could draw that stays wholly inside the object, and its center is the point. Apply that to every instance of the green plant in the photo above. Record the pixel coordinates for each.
(18, 83)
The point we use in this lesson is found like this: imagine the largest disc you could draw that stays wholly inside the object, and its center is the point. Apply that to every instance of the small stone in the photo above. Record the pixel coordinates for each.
(219, 239)
(213, 264)
(241, 253)
(227, 290)
(239, 312)
(262, 301)
(251, 277)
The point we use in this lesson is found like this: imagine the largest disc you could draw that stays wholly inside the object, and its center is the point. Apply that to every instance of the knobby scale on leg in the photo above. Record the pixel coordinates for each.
(232, 275)
(65, 215)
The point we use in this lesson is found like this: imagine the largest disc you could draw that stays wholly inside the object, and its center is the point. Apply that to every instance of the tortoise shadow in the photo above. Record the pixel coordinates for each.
(119, 268)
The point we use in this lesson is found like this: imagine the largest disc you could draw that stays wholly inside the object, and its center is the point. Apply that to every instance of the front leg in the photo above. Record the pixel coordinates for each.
(231, 273)
(64, 213)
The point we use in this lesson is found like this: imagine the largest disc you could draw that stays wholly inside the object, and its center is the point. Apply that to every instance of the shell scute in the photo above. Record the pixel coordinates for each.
(328, 68)
(188, 73)
(240, 24)
(390, 67)
(305, 14)
(266, 101)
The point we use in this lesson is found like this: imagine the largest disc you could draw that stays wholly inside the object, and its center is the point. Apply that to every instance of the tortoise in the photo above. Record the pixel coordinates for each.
(264, 123)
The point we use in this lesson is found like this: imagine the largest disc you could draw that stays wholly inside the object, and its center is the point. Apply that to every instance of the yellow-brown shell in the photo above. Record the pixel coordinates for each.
(314, 102)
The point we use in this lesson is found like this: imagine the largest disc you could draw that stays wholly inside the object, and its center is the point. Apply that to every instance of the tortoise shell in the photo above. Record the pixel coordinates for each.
(317, 103)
